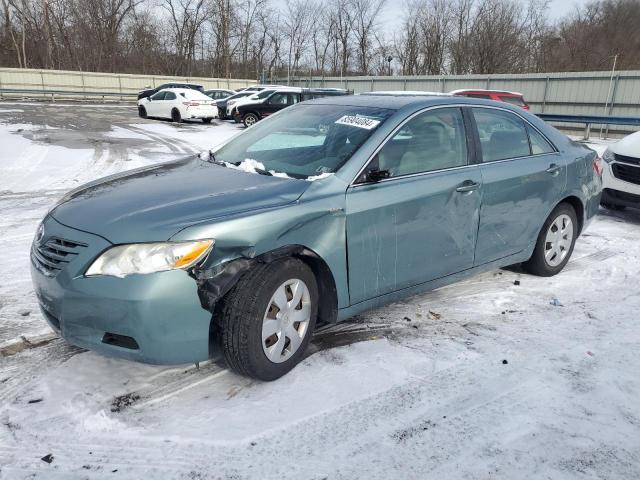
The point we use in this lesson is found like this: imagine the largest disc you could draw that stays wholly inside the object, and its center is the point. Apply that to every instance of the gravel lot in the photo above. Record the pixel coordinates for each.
(503, 376)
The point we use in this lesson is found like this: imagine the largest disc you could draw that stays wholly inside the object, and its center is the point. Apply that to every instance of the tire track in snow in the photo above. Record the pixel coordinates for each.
(174, 144)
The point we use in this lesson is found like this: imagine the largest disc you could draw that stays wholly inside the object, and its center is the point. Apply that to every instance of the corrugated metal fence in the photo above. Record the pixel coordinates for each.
(594, 93)
(92, 84)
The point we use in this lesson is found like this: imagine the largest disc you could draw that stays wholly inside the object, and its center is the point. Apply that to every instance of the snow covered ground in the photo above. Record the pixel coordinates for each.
(502, 376)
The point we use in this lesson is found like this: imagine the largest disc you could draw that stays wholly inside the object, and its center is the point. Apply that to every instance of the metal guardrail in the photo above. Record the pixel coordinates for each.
(588, 120)
(61, 93)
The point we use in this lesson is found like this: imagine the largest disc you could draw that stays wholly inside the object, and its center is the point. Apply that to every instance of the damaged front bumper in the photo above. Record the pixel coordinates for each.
(153, 318)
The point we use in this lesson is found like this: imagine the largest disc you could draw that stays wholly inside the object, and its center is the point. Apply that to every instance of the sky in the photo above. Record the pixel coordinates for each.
(393, 12)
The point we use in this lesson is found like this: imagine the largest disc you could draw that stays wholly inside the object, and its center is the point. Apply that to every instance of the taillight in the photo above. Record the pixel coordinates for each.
(597, 165)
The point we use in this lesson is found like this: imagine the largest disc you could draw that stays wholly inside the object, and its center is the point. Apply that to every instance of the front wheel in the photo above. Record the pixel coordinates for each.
(175, 116)
(267, 319)
(142, 112)
(207, 120)
(555, 242)
(249, 119)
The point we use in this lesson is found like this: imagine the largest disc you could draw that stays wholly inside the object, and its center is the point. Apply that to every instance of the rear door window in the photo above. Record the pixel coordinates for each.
(170, 96)
(539, 144)
(503, 135)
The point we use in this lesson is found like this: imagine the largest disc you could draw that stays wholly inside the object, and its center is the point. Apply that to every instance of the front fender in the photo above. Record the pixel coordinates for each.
(315, 222)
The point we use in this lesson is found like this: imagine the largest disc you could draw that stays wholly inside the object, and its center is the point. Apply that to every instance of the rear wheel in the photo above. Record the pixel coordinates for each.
(207, 120)
(555, 242)
(175, 116)
(249, 119)
(142, 112)
(267, 319)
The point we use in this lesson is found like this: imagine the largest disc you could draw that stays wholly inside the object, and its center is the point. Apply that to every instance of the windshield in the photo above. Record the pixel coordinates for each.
(306, 141)
(239, 95)
(194, 95)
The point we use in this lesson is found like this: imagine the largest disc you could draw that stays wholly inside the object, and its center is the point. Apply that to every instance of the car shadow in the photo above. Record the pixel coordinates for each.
(189, 121)
(628, 215)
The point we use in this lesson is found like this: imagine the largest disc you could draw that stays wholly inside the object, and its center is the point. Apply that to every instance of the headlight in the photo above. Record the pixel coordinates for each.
(608, 156)
(124, 260)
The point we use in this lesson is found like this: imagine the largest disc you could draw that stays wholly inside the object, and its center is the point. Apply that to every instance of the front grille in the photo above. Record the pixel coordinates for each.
(621, 196)
(625, 159)
(51, 256)
(626, 173)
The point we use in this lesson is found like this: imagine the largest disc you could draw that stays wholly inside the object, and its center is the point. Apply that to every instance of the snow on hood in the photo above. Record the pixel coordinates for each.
(319, 177)
(247, 165)
(250, 165)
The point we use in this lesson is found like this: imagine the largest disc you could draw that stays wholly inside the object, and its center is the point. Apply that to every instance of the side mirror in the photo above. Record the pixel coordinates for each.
(376, 175)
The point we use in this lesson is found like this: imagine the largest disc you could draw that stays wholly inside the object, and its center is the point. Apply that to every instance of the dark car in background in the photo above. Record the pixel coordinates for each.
(222, 104)
(218, 93)
(250, 113)
(514, 98)
(152, 91)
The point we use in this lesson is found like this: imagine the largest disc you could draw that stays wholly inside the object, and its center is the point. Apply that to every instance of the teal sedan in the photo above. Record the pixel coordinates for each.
(322, 211)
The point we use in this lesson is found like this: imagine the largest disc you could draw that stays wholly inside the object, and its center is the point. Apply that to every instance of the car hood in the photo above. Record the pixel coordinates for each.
(629, 146)
(154, 203)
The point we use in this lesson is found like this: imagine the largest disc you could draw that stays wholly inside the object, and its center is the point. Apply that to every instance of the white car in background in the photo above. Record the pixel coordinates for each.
(621, 176)
(178, 104)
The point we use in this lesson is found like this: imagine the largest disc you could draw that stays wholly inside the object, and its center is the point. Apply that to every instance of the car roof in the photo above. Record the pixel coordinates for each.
(484, 90)
(398, 101)
(181, 83)
(190, 91)
(408, 92)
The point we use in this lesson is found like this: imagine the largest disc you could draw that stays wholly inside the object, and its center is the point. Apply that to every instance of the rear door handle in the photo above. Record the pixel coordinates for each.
(553, 169)
(468, 186)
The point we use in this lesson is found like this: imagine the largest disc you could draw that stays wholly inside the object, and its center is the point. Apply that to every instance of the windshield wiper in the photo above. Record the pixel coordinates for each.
(263, 172)
(212, 159)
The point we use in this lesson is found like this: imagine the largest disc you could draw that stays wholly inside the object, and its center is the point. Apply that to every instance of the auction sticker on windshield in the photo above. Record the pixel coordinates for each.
(358, 121)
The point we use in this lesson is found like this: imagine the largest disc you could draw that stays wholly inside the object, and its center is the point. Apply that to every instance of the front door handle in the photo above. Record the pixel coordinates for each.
(468, 186)
(553, 169)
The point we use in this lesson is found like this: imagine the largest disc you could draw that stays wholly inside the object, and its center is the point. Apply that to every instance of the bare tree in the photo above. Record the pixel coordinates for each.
(243, 38)
(186, 20)
(298, 22)
(366, 14)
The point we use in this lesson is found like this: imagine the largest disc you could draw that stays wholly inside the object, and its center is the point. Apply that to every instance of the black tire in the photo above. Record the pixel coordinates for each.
(249, 119)
(537, 264)
(207, 120)
(175, 116)
(241, 315)
(613, 206)
(142, 112)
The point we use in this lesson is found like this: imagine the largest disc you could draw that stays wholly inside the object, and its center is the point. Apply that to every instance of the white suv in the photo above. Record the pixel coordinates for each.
(621, 176)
